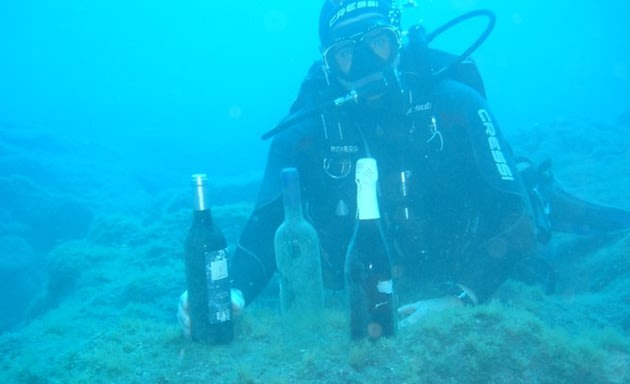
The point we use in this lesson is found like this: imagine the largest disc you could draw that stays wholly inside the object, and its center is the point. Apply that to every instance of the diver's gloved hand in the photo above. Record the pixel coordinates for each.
(183, 317)
(412, 313)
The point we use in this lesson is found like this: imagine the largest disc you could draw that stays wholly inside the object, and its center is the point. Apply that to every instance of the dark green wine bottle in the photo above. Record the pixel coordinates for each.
(298, 262)
(368, 263)
(207, 275)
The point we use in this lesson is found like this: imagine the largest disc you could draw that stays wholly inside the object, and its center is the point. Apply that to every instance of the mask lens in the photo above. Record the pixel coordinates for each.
(340, 56)
(382, 42)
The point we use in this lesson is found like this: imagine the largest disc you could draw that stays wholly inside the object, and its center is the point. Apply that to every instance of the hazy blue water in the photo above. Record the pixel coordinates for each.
(107, 107)
(197, 81)
(144, 91)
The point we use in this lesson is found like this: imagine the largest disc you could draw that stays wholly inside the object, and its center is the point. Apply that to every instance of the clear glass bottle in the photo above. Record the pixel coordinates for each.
(207, 275)
(298, 261)
(368, 263)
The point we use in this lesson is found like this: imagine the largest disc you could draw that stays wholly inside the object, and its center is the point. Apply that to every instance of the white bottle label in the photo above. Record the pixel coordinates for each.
(385, 286)
(217, 269)
(366, 177)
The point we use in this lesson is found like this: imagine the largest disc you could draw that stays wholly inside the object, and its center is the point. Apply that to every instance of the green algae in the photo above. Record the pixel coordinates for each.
(114, 322)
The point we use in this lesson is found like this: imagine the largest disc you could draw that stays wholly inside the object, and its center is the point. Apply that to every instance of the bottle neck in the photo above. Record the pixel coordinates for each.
(200, 192)
(291, 195)
(204, 216)
(201, 208)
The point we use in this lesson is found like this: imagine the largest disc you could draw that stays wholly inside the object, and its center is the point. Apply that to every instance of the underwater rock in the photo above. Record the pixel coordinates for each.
(41, 217)
(15, 254)
(22, 276)
(60, 220)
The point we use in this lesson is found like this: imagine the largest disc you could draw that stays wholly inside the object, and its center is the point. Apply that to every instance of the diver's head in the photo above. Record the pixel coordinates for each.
(359, 40)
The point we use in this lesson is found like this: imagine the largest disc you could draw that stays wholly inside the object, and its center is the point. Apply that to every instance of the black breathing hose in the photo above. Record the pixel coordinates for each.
(352, 96)
(473, 47)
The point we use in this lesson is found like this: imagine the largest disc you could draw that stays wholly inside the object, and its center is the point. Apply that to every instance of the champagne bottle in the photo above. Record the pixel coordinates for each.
(368, 266)
(207, 276)
(298, 261)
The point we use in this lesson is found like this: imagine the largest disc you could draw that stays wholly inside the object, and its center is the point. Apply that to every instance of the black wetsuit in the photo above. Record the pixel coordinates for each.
(466, 217)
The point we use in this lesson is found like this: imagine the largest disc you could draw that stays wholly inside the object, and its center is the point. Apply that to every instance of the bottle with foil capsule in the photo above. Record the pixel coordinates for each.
(207, 275)
(298, 262)
(368, 265)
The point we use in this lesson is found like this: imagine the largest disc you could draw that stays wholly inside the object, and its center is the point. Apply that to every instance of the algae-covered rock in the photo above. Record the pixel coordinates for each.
(21, 279)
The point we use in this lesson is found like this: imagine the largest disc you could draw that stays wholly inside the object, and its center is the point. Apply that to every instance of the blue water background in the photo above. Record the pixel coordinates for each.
(177, 86)
(105, 105)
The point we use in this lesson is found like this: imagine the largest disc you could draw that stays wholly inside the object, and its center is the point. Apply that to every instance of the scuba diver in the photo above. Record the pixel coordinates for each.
(461, 212)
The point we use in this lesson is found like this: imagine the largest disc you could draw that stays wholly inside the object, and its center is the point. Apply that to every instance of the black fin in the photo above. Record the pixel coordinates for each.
(571, 214)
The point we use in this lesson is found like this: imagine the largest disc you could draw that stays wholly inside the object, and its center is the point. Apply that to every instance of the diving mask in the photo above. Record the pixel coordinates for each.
(363, 54)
